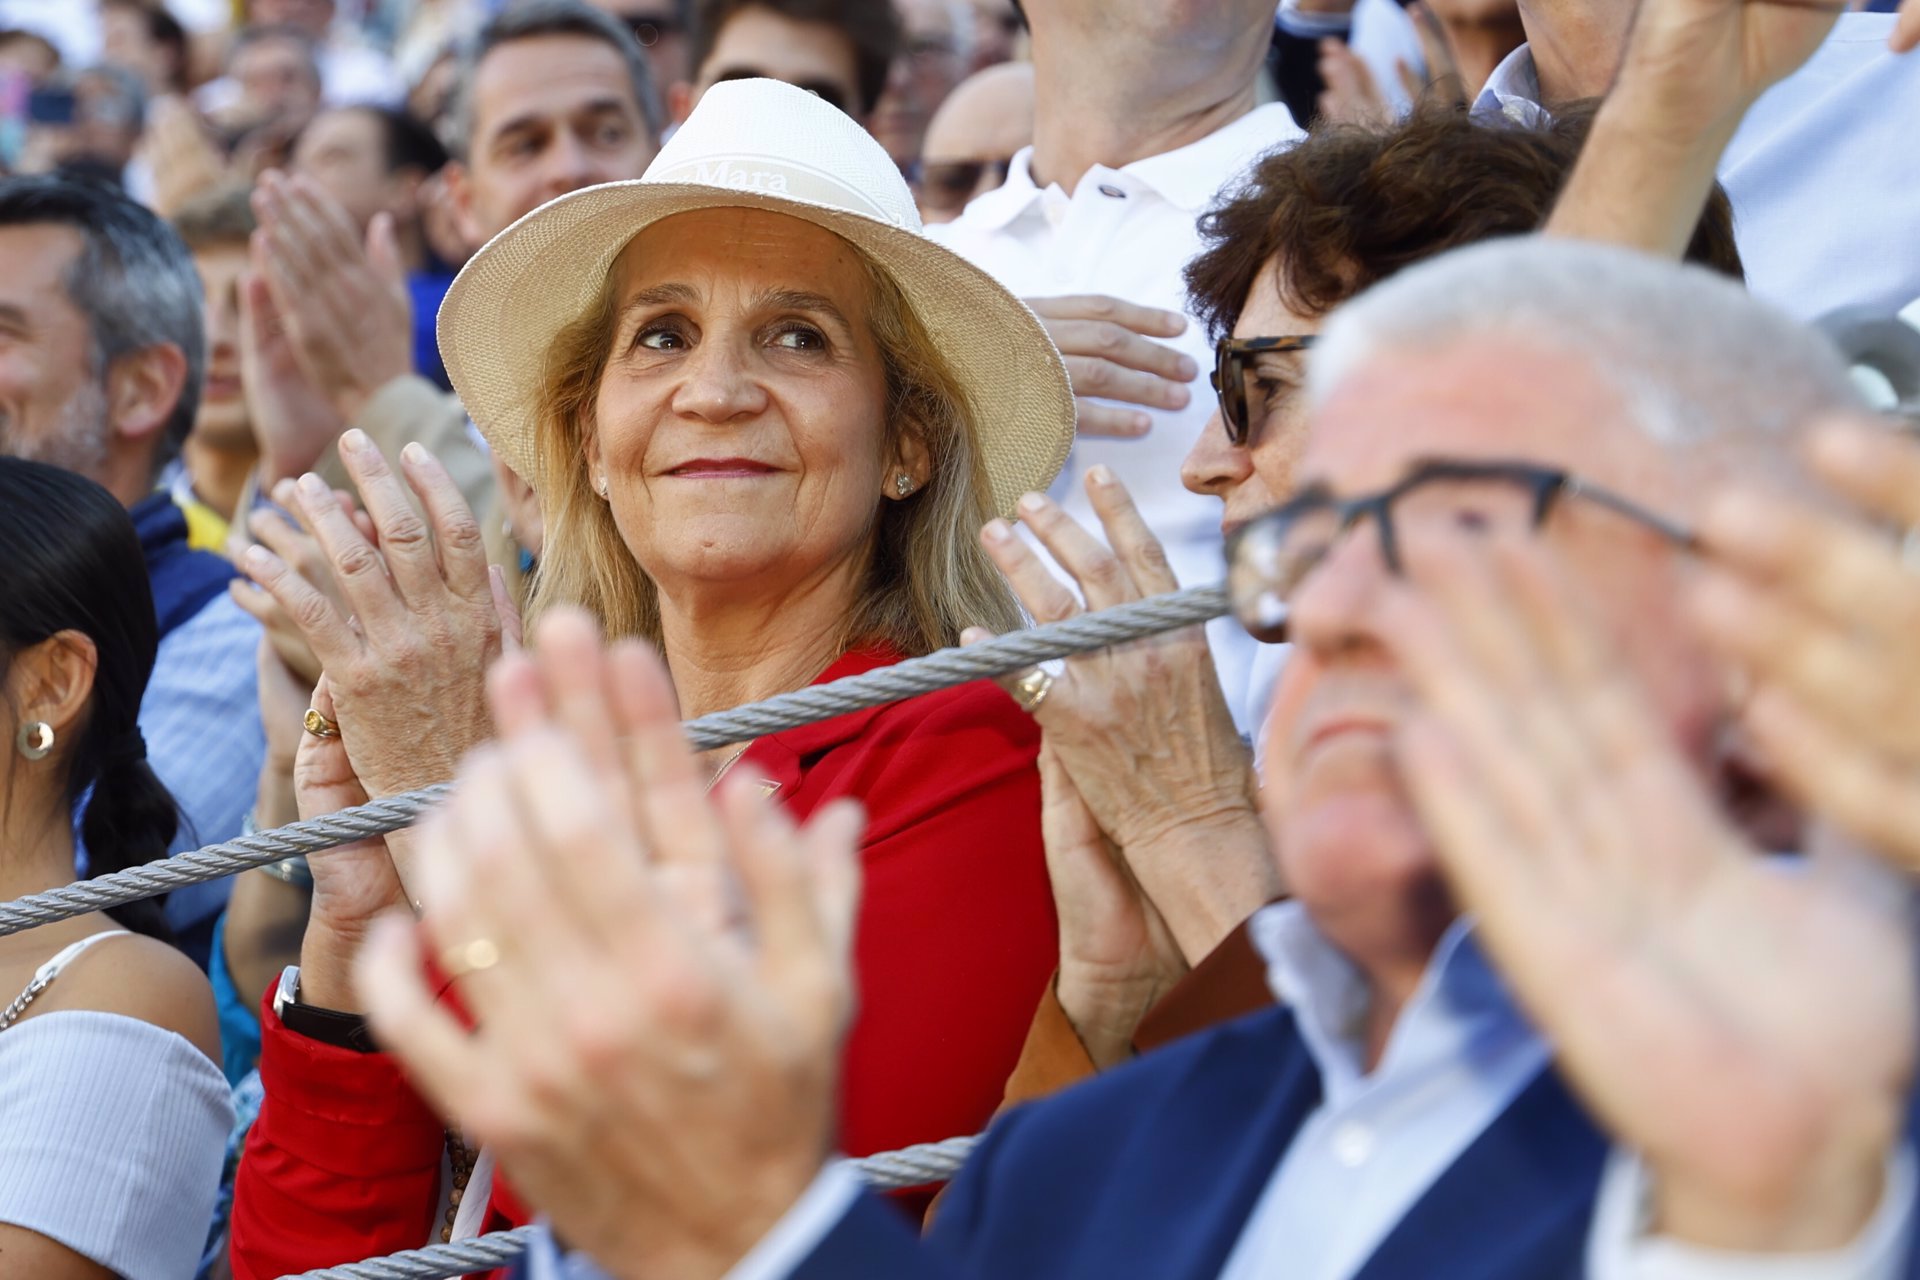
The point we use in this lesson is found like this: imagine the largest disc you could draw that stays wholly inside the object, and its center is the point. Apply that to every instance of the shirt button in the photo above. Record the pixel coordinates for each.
(1112, 192)
(1352, 1144)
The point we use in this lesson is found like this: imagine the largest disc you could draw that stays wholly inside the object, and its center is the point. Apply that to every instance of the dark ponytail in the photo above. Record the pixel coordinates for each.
(70, 561)
(129, 819)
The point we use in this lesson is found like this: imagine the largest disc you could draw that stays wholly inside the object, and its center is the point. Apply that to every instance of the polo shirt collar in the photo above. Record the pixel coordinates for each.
(1187, 177)
(1513, 92)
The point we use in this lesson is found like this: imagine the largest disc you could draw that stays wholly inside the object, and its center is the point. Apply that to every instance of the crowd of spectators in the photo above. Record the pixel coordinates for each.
(1516, 882)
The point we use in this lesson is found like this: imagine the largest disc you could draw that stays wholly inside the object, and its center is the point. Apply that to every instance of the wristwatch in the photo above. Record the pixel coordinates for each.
(328, 1026)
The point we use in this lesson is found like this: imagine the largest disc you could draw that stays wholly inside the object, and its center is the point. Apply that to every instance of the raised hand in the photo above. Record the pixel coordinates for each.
(300, 550)
(1105, 343)
(1747, 1028)
(292, 418)
(1142, 729)
(1706, 61)
(344, 305)
(353, 885)
(407, 646)
(1821, 611)
(1117, 956)
(659, 1081)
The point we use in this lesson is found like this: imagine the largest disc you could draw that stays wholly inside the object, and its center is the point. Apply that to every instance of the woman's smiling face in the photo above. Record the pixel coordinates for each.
(741, 421)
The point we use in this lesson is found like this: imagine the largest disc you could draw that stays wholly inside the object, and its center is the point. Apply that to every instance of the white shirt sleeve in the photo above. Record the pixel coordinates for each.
(819, 1208)
(1619, 1248)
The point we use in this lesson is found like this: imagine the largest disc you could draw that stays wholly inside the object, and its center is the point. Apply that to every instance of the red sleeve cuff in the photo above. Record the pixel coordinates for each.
(351, 1113)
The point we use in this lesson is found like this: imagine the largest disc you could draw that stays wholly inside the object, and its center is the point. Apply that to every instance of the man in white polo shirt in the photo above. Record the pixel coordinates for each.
(1143, 110)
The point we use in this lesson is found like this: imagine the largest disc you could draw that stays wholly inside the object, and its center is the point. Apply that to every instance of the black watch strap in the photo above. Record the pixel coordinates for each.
(328, 1026)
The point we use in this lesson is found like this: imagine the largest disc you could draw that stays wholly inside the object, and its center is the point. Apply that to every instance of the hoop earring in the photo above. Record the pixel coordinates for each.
(35, 739)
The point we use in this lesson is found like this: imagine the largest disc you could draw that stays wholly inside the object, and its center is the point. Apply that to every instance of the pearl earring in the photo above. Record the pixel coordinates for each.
(903, 484)
(35, 740)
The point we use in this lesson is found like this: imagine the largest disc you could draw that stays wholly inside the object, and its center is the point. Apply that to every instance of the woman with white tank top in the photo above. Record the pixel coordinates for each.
(113, 1111)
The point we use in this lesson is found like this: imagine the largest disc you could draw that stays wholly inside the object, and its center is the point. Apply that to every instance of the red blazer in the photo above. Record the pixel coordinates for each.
(956, 942)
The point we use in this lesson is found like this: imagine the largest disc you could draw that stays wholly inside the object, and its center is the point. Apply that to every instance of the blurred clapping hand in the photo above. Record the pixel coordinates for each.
(1746, 1030)
(342, 302)
(1819, 607)
(660, 984)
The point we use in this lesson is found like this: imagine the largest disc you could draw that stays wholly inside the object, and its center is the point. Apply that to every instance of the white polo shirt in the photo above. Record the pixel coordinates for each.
(1129, 232)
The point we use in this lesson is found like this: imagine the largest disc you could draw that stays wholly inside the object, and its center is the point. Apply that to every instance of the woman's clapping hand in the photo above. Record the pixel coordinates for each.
(660, 983)
(410, 624)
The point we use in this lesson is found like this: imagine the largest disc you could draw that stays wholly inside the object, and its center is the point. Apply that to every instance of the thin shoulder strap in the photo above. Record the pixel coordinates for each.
(43, 976)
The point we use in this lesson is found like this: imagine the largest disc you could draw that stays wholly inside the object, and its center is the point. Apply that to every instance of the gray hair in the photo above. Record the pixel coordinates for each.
(133, 280)
(1695, 356)
(528, 19)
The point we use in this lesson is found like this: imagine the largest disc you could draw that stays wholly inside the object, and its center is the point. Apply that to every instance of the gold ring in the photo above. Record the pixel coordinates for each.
(1031, 689)
(471, 957)
(319, 726)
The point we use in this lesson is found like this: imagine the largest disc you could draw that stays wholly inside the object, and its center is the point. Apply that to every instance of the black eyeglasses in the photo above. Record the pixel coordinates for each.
(825, 90)
(1272, 555)
(1243, 400)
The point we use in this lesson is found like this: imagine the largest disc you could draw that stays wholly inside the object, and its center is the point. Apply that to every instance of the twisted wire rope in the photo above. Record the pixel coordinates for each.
(940, 670)
(908, 1167)
(914, 1166)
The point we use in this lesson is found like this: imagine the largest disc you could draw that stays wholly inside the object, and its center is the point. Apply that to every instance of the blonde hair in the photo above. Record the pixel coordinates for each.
(927, 577)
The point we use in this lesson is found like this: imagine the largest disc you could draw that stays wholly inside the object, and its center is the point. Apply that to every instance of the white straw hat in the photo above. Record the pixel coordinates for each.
(758, 144)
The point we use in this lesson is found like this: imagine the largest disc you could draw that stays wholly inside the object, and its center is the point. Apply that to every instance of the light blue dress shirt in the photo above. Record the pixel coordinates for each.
(1824, 174)
(201, 720)
(1459, 1055)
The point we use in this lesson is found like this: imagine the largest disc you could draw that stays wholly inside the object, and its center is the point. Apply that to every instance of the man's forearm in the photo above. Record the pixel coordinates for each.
(1643, 176)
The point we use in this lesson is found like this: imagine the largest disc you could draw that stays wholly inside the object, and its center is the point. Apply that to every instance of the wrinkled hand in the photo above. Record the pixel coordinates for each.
(1822, 612)
(293, 545)
(1747, 1029)
(1706, 61)
(1143, 729)
(1117, 956)
(293, 419)
(406, 652)
(344, 305)
(661, 1085)
(1104, 342)
(285, 696)
(353, 885)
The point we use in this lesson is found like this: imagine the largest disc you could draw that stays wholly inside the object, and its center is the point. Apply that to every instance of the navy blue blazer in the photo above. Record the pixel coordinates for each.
(1152, 1170)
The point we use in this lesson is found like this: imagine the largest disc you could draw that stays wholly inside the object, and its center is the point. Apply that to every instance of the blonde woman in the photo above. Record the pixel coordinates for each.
(767, 420)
